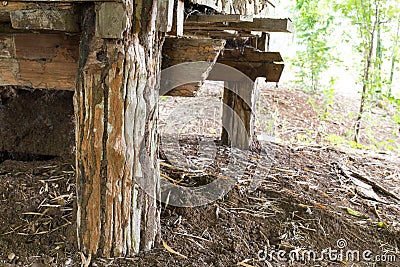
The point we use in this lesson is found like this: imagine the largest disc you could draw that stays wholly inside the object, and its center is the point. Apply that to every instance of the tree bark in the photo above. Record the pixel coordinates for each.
(116, 112)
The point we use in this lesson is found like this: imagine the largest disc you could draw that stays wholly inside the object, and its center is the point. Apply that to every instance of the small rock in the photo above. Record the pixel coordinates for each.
(11, 256)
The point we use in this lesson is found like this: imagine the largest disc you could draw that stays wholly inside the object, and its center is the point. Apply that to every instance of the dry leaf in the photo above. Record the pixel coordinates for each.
(170, 250)
(320, 206)
(325, 194)
(243, 263)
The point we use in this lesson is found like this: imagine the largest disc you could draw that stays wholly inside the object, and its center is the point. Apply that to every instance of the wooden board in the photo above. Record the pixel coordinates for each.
(243, 7)
(165, 15)
(270, 71)
(7, 7)
(238, 114)
(219, 18)
(258, 24)
(44, 61)
(250, 55)
(48, 17)
(178, 18)
(181, 50)
(218, 34)
(251, 62)
(41, 16)
(110, 20)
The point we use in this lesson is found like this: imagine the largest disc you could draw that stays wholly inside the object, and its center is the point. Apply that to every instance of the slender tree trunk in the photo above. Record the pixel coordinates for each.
(394, 48)
(378, 62)
(116, 114)
(366, 77)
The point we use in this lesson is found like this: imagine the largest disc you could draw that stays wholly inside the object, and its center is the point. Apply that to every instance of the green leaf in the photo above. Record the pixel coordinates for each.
(355, 213)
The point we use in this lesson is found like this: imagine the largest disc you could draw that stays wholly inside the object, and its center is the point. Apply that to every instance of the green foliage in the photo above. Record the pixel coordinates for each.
(371, 28)
(314, 25)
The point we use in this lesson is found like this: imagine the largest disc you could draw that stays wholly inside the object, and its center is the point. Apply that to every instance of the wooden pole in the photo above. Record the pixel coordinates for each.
(116, 114)
(238, 116)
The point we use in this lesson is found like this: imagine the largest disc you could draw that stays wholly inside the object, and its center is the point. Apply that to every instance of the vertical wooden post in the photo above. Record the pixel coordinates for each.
(238, 115)
(116, 112)
(178, 18)
(263, 43)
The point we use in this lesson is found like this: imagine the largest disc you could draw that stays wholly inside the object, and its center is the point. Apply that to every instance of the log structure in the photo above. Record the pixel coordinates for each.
(110, 54)
(116, 131)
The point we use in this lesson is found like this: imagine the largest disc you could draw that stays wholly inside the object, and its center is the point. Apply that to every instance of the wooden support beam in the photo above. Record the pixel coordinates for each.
(261, 8)
(263, 42)
(251, 62)
(258, 24)
(116, 115)
(219, 18)
(44, 61)
(250, 55)
(178, 18)
(218, 34)
(238, 114)
(53, 17)
(7, 7)
(181, 50)
(165, 15)
(110, 20)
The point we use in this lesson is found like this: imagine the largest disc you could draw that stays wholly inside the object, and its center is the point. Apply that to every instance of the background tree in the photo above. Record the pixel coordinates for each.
(313, 21)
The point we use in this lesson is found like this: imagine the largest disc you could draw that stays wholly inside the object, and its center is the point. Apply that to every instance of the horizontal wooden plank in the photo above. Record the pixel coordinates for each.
(218, 34)
(258, 24)
(250, 55)
(181, 50)
(260, 8)
(184, 49)
(7, 7)
(49, 47)
(219, 18)
(270, 71)
(251, 62)
(44, 61)
(47, 17)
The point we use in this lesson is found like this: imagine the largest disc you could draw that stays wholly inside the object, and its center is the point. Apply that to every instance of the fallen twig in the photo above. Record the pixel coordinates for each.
(375, 185)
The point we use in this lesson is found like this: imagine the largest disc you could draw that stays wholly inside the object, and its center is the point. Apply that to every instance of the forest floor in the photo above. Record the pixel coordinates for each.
(301, 200)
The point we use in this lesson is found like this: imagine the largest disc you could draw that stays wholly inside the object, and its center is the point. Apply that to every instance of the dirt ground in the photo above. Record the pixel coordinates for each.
(305, 204)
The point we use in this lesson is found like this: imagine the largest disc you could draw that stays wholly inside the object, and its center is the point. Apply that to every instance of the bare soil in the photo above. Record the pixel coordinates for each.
(305, 196)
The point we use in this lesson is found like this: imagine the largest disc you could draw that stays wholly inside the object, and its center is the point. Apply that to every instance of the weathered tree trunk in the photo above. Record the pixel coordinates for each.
(238, 116)
(116, 112)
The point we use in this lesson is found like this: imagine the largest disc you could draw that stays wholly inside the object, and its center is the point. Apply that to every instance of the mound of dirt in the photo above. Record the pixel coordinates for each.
(303, 205)
(309, 208)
